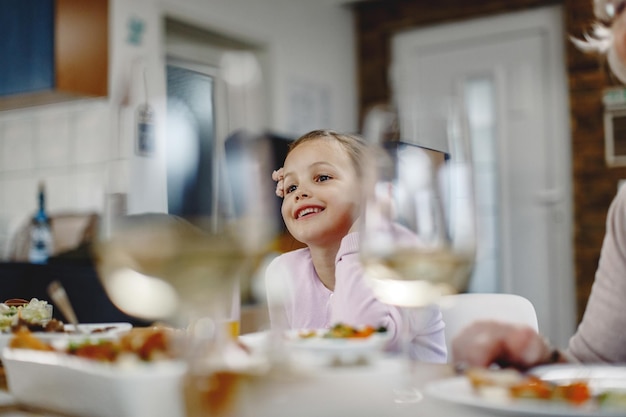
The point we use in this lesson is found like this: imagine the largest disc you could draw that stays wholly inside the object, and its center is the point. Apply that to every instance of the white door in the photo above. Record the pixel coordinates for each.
(510, 69)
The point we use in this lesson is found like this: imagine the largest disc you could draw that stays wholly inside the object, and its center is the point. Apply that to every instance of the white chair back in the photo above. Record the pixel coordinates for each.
(460, 310)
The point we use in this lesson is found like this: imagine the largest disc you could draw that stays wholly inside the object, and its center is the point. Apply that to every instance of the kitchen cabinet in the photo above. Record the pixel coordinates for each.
(81, 55)
(26, 46)
(52, 50)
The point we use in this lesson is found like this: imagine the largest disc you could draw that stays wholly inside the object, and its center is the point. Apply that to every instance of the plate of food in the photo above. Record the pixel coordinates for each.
(36, 316)
(555, 391)
(136, 375)
(340, 343)
(68, 334)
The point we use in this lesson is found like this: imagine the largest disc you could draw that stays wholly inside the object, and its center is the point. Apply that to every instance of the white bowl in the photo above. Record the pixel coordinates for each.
(76, 386)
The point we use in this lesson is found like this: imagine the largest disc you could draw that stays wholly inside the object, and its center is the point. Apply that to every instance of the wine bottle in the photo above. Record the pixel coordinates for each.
(41, 232)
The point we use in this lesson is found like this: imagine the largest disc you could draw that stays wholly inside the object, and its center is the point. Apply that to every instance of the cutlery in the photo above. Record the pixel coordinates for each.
(62, 301)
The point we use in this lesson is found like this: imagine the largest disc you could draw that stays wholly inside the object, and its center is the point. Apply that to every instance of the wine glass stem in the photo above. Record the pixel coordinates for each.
(408, 392)
(405, 341)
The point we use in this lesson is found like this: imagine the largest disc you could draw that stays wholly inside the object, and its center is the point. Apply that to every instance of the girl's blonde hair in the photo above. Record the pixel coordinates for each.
(354, 145)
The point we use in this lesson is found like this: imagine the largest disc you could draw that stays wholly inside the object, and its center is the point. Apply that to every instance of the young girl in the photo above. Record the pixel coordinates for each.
(323, 284)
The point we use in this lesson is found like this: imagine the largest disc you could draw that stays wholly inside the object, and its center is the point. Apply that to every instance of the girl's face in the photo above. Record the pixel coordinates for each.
(321, 192)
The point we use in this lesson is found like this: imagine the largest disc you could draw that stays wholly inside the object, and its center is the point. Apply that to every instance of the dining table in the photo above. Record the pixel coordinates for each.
(275, 374)
(359, 390)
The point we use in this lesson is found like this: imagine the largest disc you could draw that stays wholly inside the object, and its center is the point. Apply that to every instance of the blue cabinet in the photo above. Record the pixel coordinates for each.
(26, 46)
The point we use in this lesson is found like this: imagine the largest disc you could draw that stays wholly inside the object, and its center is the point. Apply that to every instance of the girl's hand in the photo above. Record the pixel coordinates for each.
(279, 177)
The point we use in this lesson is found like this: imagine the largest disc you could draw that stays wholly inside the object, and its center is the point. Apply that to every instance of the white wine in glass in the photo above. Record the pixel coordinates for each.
(162, 267)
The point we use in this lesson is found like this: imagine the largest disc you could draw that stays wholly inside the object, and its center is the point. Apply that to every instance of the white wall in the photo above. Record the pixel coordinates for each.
(312, 83)
(311, 57)
(133, 56)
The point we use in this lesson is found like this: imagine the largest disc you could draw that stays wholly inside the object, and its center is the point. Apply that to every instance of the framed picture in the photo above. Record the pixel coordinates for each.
(615, 126)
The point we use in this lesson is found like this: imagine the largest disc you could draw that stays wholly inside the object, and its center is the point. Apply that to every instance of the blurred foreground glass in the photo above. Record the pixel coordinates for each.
(187, 269)
(418, 225)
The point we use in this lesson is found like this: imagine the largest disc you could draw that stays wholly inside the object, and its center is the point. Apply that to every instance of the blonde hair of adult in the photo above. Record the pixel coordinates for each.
(601, 37)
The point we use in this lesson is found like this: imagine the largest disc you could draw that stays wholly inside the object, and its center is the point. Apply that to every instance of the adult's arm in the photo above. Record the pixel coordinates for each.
(601, 336)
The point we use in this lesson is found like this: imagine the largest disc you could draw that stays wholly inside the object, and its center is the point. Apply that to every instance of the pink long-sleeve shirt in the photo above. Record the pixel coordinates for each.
(297, 299)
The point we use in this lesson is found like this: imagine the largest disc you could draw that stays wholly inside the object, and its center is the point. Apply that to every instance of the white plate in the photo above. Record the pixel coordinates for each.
(458, 390)
(95, 330)
(600, 377)
(112, 332)
(344, 350)
(78, 386)
(257, 342)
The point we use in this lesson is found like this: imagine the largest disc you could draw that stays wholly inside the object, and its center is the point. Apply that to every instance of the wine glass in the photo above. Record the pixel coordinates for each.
(418, 222)
(187, 269)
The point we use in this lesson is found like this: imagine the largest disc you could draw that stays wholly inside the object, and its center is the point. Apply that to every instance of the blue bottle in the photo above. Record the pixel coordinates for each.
(41, 232)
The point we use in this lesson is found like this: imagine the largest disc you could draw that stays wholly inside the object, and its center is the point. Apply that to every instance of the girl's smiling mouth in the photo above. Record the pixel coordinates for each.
(305, 211)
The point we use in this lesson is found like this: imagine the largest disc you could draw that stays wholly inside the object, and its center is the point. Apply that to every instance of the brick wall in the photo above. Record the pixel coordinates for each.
(594, 184)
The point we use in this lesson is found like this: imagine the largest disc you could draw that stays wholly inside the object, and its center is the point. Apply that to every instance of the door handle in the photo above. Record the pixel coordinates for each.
(549, 196)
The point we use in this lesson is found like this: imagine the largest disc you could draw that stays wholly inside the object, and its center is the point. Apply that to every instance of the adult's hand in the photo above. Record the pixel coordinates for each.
(484, 343)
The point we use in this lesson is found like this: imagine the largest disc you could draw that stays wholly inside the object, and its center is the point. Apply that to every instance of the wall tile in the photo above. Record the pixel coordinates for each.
(10, 219)
(16, 145)
(88, 186)
(52, 140)
(59, 189)
(20, 196)
(91, 134)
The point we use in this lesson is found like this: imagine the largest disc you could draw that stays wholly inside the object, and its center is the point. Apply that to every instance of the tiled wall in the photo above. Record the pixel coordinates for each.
(64, 144)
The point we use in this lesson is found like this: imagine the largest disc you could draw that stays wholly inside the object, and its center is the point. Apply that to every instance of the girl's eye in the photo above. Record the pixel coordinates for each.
(619, 8)
(322, 178)
(290, 189)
